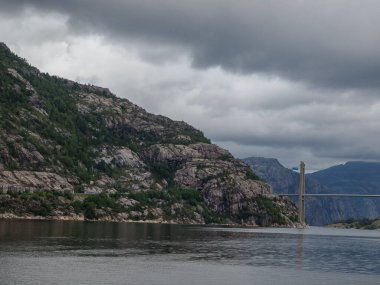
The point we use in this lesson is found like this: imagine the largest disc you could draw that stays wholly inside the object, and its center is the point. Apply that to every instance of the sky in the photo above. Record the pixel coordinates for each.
(295, 80)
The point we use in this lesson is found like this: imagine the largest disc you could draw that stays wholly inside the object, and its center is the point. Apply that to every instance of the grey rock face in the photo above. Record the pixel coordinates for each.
(221, 179)
(34, 179)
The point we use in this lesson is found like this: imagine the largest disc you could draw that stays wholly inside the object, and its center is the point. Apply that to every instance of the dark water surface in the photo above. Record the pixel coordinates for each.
(53, 252)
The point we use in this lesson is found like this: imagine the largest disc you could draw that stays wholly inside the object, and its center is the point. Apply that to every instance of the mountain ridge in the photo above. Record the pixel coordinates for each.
(58, 135)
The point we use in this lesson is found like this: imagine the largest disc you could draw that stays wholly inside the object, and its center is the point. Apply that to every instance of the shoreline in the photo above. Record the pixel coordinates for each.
(80, 218)
(373, 225)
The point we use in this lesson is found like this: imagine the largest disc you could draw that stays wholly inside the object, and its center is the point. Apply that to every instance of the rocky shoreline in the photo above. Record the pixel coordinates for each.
(364, 224)
(81, 218)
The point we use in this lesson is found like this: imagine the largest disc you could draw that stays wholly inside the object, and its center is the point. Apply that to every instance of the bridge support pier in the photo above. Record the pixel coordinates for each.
(301, 196)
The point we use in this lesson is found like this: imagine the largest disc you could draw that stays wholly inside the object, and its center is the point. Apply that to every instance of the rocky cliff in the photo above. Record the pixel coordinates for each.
(121, 162)
(353, 177)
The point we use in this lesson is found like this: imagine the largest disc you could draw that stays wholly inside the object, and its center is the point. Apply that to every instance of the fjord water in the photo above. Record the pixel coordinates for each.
(57, 252)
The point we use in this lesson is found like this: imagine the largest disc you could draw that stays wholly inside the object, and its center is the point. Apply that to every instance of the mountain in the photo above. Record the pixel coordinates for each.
(351, 178)
(282, 179)
(59, 137)
(319, 211)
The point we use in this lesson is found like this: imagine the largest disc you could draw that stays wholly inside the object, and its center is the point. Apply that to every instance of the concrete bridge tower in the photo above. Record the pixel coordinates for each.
(301, 196)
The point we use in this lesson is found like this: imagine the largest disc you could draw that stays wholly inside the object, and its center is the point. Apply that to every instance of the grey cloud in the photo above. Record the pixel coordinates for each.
(330, 44)
(302, 81)
(284, 139)
(291, 149)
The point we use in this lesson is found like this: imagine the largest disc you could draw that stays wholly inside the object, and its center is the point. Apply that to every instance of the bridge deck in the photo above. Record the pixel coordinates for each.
(334, 195)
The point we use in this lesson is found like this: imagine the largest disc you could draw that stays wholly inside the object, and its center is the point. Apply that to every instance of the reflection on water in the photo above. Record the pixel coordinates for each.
(300, 250)
(114, 253)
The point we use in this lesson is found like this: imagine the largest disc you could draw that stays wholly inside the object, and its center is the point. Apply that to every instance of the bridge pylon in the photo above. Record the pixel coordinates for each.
(301, 196)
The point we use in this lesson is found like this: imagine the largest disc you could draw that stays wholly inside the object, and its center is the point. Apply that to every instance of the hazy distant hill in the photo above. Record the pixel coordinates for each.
(352, 177)
(282, 180)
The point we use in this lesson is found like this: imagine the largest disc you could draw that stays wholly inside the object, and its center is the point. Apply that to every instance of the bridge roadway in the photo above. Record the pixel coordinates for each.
(333, 195)
(302, 195)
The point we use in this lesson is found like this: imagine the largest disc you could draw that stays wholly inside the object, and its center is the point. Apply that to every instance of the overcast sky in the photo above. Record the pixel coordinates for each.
(296, 80)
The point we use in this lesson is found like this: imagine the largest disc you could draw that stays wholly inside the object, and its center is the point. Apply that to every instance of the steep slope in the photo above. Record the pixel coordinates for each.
(56, 134)
(354, 177)
(282, 179)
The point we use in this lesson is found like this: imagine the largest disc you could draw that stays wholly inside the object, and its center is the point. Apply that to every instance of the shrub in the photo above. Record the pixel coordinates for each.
(90, 210)
(164, 170)
(78, 189)
(98, 201)
(271, 209)
(189, 195)
(77, 206)
(251, 175)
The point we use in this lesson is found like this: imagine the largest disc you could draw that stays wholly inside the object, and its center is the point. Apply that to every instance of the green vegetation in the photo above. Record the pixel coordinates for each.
(193, 135)
(189, 201)
(78, 189)
(175, 204)
(366, 224)
(295, 218)
(41, 203)
(196, 136)
(74, 136)
(164, 170)
(268, 207)
(251, 175)
(100, 201)
(55, 128)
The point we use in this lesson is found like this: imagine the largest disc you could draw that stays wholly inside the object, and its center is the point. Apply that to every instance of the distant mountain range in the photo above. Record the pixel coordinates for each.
(350, 178)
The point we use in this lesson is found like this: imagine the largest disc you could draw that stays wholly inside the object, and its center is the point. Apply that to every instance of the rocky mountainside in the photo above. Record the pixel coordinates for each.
(60, 136)
(282, 180)
(351, 178)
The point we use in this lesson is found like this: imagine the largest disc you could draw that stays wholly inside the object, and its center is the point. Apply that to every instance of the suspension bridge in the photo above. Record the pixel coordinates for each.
(301, 194)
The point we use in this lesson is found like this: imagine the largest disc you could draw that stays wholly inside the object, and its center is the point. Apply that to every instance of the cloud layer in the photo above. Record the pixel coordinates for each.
(294, 80)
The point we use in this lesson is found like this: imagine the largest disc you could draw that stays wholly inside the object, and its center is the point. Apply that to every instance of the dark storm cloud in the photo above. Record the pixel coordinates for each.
(297, 80)
(320, 146)
(330, 44)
